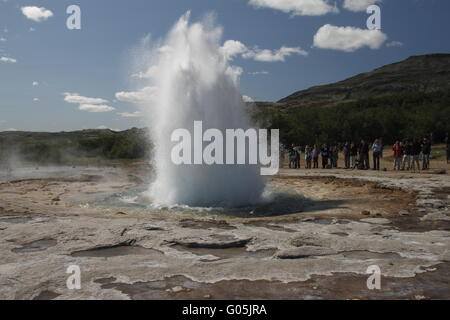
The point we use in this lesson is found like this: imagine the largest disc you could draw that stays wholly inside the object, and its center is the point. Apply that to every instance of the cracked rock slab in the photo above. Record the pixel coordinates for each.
(304, 252)
(324, 249)
(211, 243)
(435, 216)
(376, 220)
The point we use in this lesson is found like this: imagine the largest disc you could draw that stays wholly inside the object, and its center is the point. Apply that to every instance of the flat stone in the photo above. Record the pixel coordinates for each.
(177, 289)
(431, 203)
(211, 243)
(309, 240)
(376, 220)
(304, 252)
(150, 227)
(435, 216)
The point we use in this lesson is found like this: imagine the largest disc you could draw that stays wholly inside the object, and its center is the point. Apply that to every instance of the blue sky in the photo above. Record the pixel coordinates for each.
(95, 62)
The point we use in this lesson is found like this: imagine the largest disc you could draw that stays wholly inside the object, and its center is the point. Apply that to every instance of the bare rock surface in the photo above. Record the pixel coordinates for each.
(304, 252)
(376, 220)
(146, 253)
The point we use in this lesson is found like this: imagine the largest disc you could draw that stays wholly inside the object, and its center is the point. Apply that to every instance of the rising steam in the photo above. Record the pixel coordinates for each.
(189, 79)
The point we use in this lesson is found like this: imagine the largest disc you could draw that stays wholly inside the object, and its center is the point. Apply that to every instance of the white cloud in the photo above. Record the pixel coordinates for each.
(247, 99)
(36, 99)
(130, 114)
(359, 5)
(132, 96)
(139, 75)
(298, 7)
(136, 97)
(95, 108)
(35, 83)
(265, 55)
(2, 39)
(77, 99)
(394, 44)
(7, 60)
(88, 104)
(348, 39)
(37, 14)
(256, 73)
(11, 129)
(102, 127)
(232, 48)
(149, 74)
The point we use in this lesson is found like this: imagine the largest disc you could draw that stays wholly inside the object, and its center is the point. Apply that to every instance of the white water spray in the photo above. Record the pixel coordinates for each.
(190, 80)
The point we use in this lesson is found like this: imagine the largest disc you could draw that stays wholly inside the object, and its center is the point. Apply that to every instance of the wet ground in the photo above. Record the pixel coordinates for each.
(431, 285)
(315, 240)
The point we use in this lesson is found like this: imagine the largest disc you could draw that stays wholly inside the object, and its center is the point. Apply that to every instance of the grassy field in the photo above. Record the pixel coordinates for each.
(86, 147)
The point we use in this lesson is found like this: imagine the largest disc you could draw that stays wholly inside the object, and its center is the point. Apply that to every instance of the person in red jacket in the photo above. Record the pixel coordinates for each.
(398, 155)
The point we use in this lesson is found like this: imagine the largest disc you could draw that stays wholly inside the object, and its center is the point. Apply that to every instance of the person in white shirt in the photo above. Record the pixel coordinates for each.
(376, 148)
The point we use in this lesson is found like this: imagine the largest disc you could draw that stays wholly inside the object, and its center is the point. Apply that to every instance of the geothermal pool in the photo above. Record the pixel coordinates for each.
(275, 201)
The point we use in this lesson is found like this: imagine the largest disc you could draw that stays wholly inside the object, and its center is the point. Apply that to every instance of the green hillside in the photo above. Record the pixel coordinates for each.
(79, 147)
(391, 117)
(426, 74)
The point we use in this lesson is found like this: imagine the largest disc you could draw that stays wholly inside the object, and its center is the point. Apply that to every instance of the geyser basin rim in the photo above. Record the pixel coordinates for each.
(213, 153)
(275, 200)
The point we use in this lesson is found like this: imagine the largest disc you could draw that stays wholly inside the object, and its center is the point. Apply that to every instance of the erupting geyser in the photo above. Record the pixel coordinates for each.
(190, 80)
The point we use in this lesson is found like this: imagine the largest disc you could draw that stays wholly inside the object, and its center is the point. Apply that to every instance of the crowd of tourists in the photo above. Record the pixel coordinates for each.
(409, 154)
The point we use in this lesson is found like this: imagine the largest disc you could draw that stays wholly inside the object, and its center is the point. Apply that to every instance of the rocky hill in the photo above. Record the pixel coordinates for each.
(426, 73)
